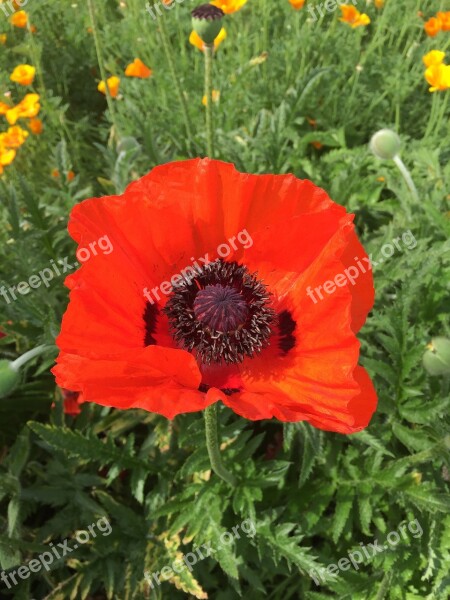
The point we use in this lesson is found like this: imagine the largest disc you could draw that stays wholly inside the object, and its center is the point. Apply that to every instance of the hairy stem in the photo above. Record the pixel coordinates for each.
(209, 49)
(98, 50)
(212, 443)
(176, 80)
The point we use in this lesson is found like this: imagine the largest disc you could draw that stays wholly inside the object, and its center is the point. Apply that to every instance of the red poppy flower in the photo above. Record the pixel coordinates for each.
(72, 402)
(221, 318)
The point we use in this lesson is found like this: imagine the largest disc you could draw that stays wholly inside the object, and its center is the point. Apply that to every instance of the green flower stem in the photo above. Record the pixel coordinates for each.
(19, 362)
(409, 182)
(176, 81)
(209, 50)
(98, 50)
(212, 443)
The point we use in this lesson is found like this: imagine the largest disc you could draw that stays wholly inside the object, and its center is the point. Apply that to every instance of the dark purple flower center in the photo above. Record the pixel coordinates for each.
(221, 308)
(221, 313)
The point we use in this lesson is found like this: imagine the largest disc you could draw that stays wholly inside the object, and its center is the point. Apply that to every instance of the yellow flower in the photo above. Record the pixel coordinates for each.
(435, 57)
(297, 4)
(23, 74)
(113, 86)
(14, 137)
(3, 38)
(215, 97)
(28, 108)
(196, 40)
(19, 19)
(138, 69)
(229, 6)
(6, 156)
(35, 126)
(438, 76)
(353, 17)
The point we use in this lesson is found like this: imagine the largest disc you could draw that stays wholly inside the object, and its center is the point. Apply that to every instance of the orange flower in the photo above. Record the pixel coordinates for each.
(19, 19)
(29, 107)
(23, 74)
(379, 3)
(4, 108)
(35, 126)
(113, 86)
(317, 145)
(297, 4)
(444, 18)
(229, 6)
(14, 137)
(138, 69)
(438, 76)
(70, 175)
(215, 97)
(196, 40)
(432, 27)
(353, 17)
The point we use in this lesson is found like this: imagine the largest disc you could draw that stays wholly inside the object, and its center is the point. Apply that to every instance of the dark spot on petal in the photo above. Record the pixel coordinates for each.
(150, 319)
(286, 326)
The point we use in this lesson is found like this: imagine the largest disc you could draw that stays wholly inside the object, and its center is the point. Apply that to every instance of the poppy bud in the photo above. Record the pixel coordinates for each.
(9, 378)
(436, 359)
(127, 145)
(385, 144)
(207, 22)
(10, 371)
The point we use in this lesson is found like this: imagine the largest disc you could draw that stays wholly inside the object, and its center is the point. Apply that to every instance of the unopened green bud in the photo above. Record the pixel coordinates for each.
(10, 371)
(436, 359)
(207, 22)
(9, 378)
(385, 144)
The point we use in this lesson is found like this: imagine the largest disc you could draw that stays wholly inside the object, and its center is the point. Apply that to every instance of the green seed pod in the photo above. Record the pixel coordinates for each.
(436, 359)
(207, 22)
(9, 378)
(385, 144)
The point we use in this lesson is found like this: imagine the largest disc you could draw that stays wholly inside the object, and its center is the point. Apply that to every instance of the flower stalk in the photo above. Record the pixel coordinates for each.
(176, 80)
(209, 50)
(212, 443)
(98, 50)
(406, 176)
